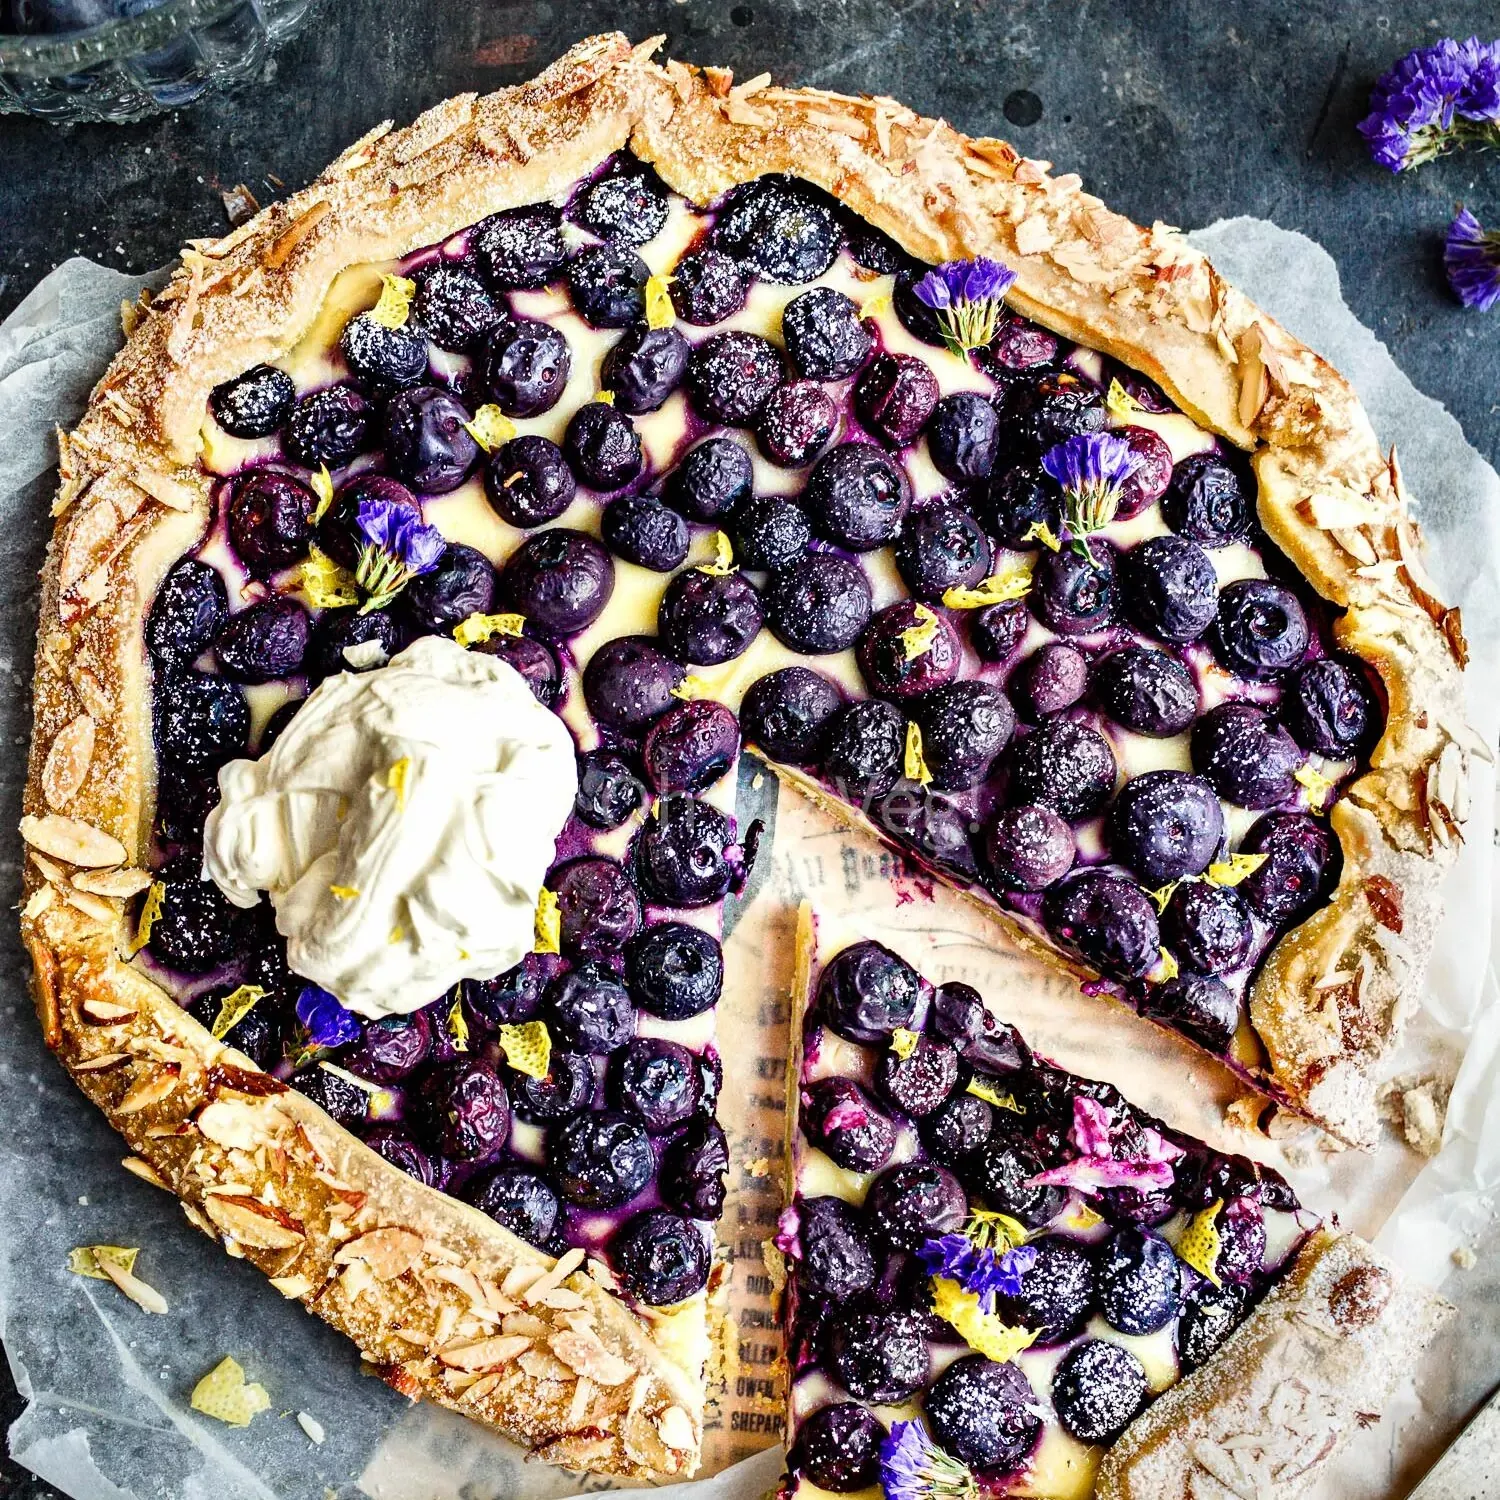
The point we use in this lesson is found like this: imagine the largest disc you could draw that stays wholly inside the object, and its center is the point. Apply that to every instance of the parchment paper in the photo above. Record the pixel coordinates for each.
(108, 1384)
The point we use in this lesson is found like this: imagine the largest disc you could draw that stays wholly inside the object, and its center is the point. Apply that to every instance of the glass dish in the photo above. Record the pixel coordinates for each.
(128, 69)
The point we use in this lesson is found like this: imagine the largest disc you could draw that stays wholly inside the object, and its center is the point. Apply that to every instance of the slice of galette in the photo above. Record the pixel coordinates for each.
(1003, 1278)
(439, 534)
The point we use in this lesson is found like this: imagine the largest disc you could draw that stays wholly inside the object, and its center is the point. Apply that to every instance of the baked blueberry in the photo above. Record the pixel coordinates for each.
(963, 437)
(984, 1413)
(559, 579)
(511, 997)
(914, 1202)
(1028, 847)
(1170, 587)
(857, 497)
(1064, 765)
(873, 248)
(769, 532)
(1208, 927)
(660, 1257)
(327, 427)
(1166, 825)
(942, 547)
(818, 605)
(916, 316)
(608, 286)
(865, 748)
(713, 478)
(644, 366)
(598, 908)
(1107, 920)
(565, 1091)
(1046, 409)
(628, 683)
(1199, 1006)
(629, 206)
(533, 659)
(195, 930)
(602, 1160)
(521, 1201)
(345, 1103)
(879, 1356)
(1074, 593)
(201, 721)
(707, 287)
(674, 971)
(462, 1110)
(349, 640)
(525, 366)
(521, 247)
(455, 308)
(186, 614)
(1301, 865)
(960, 1016)
(1052, 678)
(643, 531)
(796, 423)
(787, 712)
(602, 447)
(462, 584)
(257, 1034)
(384, 358)
(895, 396)
(693, 1168)
(686, 854)
(1148, 481)
(920, 1082)
(908, 649)
(781, 227)
(937, 828)
(957, 1128)
(1242, 1239)
(1209, 1316)
(1329, 708)
(1020, 345)
(588, 1009)
(1206, 503)
(1097, 1390)
(427, 439)
(264, 640)
(824, 334)
(965, 725)
(270, 520)
(997, 629)
(655, 1080)
(1146, 691)
(691, 746)
(999, 1173)
(839, 1117)
(867, 992)
(1262, 628)
(1018, 499)
(608, 790)
(709, 618)
(402, 1152)
(838, 1448)
(1246, 756)
(1140, 1282)
(1057, 1291)
(255, 404)
(339, 533)
(731, 376)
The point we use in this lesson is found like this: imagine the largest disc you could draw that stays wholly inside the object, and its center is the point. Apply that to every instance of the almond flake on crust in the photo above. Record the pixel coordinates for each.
(68, 761)
(252, 1223)
(73, 840)
(388, 1252)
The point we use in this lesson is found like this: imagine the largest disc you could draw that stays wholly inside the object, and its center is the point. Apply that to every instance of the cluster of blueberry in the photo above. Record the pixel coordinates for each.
(864, 1312)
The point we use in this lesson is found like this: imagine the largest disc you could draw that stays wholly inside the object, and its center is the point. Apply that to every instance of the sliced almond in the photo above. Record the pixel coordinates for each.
(1340, 511)
(145, 1297)
(97, 908)
(236, 1123)
(73, 840)
(120, 883)
(163, 488)
(138, 1166)
(253, 1224)
(38, 902)
(68, 761)
(97, 1008)
(584, 1354)
(388, 1252)
(100, 1063)
(152, 1089)
(484, 1354)
(675, 1428)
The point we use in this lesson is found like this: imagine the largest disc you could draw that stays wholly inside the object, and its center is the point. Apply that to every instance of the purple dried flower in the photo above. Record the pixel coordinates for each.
(967, 296)
(397, 547)
(326, 1022)
(913, 1467)
(1471, 256)
(1097, 1166)
(1090, 467)
(1433, 99)
(976, 1268)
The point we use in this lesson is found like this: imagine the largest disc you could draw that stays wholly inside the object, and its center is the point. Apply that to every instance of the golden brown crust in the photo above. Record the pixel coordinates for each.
(1329, 1003)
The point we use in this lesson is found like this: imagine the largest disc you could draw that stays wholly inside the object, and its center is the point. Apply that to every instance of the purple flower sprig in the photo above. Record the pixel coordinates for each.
(977, 1268)
(913, 1467)
(1090, 467)
(1471, 257)
(1433, 100)
(326, 1022)
(395, 547)
(967, 296)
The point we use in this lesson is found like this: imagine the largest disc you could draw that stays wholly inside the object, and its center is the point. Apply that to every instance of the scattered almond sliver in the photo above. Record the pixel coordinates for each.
(116, 1263)
(312, 1427)
(225, 1395)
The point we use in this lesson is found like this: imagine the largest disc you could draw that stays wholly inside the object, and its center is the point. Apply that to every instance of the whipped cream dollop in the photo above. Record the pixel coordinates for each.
(403, 824)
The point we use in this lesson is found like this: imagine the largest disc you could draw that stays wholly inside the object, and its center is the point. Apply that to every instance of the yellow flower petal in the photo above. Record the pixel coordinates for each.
(916, 762)
(344, 892)
(1120, 404)
(150, 911)
(236, 1006)
(659, 310)
(322, 487)
(723, 563)
(992, 1095)
(903, 1042)
(458, 1027)
(691, 686)
(528, 1048)
(227, 1396)
(1234, 869)
(873, 306)
(983, 1332)
(548, 923)
(326, 584)
(394, 306)
(397, 779)
(1014, 583)
(1040, 531)
(1317, 784)
(85, 1260)
(1166, 965)
(491, 428)
(1199, 1243)
(478, 628)
(919, 637)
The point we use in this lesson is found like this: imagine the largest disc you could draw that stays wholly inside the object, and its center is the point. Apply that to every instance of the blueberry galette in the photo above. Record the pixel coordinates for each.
(1003, 1277)
(440, 537)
